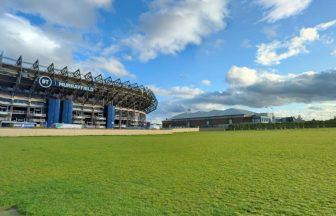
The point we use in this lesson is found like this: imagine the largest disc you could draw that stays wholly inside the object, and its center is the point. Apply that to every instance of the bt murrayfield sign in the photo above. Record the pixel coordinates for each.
(47, 82)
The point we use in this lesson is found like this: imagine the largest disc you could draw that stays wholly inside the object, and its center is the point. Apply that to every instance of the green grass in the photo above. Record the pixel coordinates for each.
(288, 172)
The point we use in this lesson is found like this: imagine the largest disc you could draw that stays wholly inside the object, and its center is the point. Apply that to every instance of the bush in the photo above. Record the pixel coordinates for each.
(288, 125)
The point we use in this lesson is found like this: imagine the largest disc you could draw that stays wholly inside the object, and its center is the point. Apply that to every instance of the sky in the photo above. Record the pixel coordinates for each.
(262, 55)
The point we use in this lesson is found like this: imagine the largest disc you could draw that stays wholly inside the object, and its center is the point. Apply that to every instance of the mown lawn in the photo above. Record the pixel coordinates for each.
(289, 172)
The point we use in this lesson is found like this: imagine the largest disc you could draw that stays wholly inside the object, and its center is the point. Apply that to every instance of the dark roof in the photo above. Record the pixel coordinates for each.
(213, 113)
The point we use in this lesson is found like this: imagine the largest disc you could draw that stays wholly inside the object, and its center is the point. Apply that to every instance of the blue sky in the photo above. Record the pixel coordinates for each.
(262, 55)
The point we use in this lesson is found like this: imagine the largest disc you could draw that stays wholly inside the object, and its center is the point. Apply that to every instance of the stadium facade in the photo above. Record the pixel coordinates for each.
(217, 119)
(35, 95)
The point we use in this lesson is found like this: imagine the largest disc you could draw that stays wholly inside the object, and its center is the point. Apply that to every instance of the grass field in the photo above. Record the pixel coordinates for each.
(289, 172)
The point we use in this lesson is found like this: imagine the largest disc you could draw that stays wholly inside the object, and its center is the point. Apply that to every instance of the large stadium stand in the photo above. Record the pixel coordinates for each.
(71, 98)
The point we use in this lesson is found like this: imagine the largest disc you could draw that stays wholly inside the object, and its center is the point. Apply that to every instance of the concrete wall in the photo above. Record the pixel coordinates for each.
(212, 129)
(16, 132)
(185, 130)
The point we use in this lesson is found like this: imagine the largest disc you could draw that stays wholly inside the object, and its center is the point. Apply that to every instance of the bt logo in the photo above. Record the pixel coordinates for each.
(45, 81)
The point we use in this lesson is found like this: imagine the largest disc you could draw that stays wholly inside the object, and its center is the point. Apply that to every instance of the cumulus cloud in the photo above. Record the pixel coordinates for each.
(206, 82)
(69, 13)
(268, 89)
(169, 26)
(18, 37)
(241, 76)
(269, 54)
(271, 89)
(281, 9)
(53, 44)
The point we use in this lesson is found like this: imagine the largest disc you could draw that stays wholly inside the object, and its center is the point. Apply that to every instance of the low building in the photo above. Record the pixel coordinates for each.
(263, 118)
(217, 119)
(156, 126)
(286, 120)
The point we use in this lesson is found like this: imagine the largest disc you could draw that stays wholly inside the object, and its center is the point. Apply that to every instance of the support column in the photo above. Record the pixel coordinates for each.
(53, 111)
(10, 115)
(120, 117)
(93, 121)
(128, 119)
(67, 110)
(110, 116)
(29, 116)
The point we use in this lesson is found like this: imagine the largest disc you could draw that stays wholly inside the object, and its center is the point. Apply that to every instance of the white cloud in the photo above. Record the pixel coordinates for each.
(326, 39)
(53, 44)
(169, 26)
(268, 54)
(281, 9)
(271, 89)
(128, 57)
(177, 92)
(101, 3)
(206, 82)
(320, 111)
(271, 31)
(288, 95)
(185, 92)
(69, 13)
(326, 25)
(333, 53)
(105, 65)
(171, 98)
(19, 37)
(241, 76)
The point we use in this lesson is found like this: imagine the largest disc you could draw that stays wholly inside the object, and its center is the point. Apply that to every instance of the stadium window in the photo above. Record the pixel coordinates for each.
(20, 101)
(6, 99)
(35, 103)
(3, 108)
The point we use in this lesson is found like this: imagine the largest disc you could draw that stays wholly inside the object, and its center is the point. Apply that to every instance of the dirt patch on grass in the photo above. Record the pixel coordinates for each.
(9, 212)
(19, 132)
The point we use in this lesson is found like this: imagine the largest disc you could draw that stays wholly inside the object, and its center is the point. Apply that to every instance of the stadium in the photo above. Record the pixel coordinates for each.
(32, 95)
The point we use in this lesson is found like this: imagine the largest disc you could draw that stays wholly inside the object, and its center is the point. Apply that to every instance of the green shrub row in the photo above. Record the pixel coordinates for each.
(288, 125)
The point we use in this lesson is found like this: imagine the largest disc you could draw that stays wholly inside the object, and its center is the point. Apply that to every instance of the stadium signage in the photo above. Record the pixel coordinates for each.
(73, 86)
(47, 82)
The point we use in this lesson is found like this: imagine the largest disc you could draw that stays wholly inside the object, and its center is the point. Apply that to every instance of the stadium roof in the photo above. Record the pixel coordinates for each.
(213, 113)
